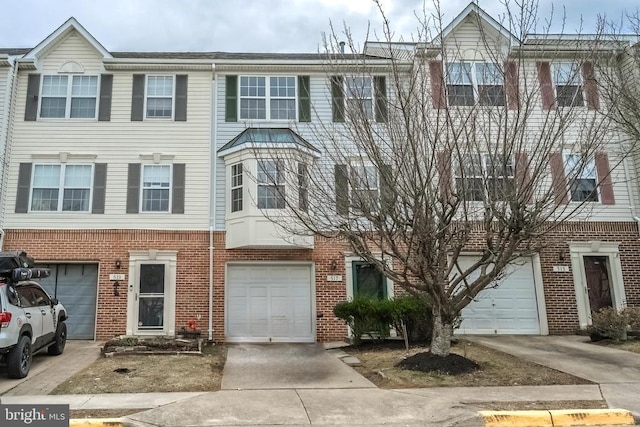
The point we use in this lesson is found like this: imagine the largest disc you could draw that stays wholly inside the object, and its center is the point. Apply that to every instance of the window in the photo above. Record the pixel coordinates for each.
(271, 184)
(568, 82)
(159, 96)
(303, 187)
(582, 178)
(368, 280)
(77, 101)
(365, 187)
(471, 82)
(236, 187)
(156, 188)
(480, 177)
(276, 103)
(64, 188)
(359, 95)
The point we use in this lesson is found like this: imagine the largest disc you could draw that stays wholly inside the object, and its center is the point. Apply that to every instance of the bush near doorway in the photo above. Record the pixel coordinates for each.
(616, 325)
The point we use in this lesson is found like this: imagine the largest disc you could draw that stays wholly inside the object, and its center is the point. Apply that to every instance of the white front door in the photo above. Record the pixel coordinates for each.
(269, 303)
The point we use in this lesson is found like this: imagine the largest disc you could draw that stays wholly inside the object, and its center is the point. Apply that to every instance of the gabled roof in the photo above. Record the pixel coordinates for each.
(267, 138)
(473, 8)
(70, 25)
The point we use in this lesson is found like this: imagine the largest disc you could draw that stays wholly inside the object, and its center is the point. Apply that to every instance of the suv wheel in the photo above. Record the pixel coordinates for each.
(19, 358)
(61, 339)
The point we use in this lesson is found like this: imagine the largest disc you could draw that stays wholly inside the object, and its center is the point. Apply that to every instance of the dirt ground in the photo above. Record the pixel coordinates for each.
(102, 413)
(541, 405)
(496, 368)
(149, 374)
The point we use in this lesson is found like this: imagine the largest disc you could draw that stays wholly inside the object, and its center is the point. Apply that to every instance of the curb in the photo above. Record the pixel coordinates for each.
(97, 422)
(567, 417)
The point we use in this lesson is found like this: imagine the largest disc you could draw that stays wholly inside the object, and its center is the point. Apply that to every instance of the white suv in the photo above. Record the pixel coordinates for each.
(30, 320)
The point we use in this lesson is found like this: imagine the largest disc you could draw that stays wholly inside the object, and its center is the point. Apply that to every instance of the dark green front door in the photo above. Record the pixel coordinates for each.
(368, 280)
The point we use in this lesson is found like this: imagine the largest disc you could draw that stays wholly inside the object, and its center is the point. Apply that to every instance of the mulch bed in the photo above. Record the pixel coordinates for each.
(453, 364)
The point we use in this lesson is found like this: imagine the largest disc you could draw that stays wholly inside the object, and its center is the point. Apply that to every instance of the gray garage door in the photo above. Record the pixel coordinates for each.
(75, 285)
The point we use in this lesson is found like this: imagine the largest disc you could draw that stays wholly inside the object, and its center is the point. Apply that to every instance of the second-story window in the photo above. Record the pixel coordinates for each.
(359, 95)
(160, 96)
(61, 188)
(582, 177)
(365, 187)
(156, 188)
(271, 184)
(471, 82)
(481, 177)
(568, 83)
(236, 187)
(263, 98)
(77, 100)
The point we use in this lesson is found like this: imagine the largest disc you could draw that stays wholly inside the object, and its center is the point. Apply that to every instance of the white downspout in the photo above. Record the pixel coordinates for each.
(625, 164)
(212, 203)
(7, 138)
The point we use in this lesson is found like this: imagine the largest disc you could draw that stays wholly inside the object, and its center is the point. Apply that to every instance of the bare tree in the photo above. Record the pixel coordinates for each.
(434, 152)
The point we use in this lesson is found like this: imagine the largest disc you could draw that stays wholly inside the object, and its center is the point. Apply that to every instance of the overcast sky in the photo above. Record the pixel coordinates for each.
(250, 25)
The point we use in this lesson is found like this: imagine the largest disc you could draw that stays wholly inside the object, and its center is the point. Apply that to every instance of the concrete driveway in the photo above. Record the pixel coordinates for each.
(49, 371)
(287, 366)
(616, 371)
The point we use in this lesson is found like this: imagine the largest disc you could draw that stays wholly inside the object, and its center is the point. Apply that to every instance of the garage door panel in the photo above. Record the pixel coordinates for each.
(278, 305)
(509, 308)
(75, 285)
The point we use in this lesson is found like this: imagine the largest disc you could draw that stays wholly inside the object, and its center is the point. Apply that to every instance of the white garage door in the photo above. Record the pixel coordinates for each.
(510, 308)
(269, 303)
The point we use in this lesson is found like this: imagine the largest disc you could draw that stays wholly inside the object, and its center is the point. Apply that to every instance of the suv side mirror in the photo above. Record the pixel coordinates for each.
(54, 302)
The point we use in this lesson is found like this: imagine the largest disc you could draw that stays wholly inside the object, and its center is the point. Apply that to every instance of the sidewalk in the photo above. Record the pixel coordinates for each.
(408, 407)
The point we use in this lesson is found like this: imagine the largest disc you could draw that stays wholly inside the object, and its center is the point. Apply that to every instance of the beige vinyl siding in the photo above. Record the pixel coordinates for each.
(117, 143)
(226, 131)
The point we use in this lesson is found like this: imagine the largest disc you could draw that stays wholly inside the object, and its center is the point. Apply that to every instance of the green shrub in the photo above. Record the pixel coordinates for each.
(609, 323)
(374, 317)
(633, 317)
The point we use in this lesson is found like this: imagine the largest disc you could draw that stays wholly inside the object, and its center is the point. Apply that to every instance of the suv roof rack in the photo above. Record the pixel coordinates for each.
(17, 266)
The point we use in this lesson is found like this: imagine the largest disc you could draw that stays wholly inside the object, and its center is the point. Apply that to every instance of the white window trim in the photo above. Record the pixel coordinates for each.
(67, 110)
(267, 97)
(61, 188)
(485, 175)
(236, 187)
(280, 173)
(358, 163)
(141, 202)
(348, 95)
(578, 251)
(566, 154)
(173, 96)
(554, 67)
(474, 82)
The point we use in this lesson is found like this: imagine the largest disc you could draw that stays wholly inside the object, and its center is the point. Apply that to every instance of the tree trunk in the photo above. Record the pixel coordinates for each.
(441, 337)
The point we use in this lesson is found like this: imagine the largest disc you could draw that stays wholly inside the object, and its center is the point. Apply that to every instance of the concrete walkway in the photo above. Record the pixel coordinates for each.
(48, 371)
(617, 371)
(287, 366)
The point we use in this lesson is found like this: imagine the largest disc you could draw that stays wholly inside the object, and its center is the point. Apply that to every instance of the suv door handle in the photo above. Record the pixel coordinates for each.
(44, 312)
(28, 315)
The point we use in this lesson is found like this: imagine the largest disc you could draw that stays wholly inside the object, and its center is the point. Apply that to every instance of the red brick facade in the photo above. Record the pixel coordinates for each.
(104, 247)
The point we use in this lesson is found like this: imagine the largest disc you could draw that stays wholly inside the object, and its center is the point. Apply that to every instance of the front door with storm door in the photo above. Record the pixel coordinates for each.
(151, 298)
(596, 269)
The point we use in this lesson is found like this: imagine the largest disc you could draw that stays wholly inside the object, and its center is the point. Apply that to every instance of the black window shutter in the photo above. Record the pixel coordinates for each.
(342, 189)
(133, 188)
(99, 187)
(387, 194)
(380, 85)
(231, 99)
(24, 187)
(337, 98)
(33, 90)
(181, 98)
(304, 99)
(177, 206)
(137, 98)
(106, 87)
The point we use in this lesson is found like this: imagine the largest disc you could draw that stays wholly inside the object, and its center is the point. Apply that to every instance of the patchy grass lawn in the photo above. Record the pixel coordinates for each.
(496, 368)
(149, 374)
(541, 405)
(102, 413)
(632, 345)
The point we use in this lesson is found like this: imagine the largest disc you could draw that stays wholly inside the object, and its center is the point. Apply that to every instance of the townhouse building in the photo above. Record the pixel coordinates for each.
(140, 180)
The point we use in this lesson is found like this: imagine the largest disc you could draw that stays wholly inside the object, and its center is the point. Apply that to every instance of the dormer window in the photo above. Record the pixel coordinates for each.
(77, 100)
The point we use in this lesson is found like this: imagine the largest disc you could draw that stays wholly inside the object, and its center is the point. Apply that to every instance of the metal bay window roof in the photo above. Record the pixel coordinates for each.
(268, 138)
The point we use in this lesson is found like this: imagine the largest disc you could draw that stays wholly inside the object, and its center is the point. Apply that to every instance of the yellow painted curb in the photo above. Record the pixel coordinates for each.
(516, 418)
(592, 417)
(96, 422)
(556, 418)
